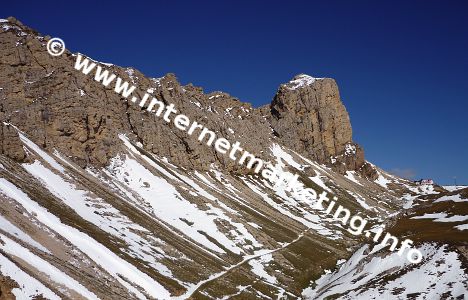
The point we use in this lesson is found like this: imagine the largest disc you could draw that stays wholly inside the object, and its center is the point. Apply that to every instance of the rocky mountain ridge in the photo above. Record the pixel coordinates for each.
(308, 118)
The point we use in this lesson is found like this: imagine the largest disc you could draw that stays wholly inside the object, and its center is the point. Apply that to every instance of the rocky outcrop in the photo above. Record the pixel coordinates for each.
(6, 287)
(308, 115)
(62, 109)
(11, 145)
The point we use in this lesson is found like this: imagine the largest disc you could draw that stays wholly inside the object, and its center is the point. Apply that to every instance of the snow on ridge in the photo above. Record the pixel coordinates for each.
(6, 26)
(166, 202)
(351, 176)
(131, 73)
(442, 271)
(462, 227)
(7, 226)
(301, 81)
(259, 270)
(454, 198)
(100, 62)
(156, 81)
(442, 217)
(127, 274)
(453, 188)
(169, 205)
(29, 287)
(15, 249)
(350, 149)
(97, 211)
(215, 96)
(291, 205)
(30, 144)
(359, 199)
(281, 155)
(382, 181)
(196, 103)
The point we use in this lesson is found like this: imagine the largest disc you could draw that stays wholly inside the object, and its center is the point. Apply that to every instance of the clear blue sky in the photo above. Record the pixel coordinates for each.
(401, 65)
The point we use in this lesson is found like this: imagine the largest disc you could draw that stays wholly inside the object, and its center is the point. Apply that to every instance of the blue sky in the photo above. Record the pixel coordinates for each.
(401, 66)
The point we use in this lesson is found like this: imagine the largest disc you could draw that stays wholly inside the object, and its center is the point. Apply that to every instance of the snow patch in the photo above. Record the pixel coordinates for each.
(14, 249)
(6, 226)
(29, 287)
(301, 81)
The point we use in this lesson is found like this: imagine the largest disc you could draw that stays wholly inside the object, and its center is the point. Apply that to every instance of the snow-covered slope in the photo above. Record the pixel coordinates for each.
(374, 274)
(144, 228)
(438, 222)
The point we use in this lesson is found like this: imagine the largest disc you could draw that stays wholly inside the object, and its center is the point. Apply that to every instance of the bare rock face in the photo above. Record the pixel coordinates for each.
(11, 145)
(6, 287)
(308, 115)
(61, 108)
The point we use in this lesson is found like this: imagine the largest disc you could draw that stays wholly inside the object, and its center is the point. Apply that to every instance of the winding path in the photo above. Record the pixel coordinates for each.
(192, 290)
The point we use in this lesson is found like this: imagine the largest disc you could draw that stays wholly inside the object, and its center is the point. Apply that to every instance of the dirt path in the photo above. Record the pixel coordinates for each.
(216, 276)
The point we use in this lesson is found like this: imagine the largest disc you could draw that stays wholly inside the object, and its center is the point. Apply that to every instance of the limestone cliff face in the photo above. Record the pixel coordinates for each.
(60, 108)
(307, 114)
